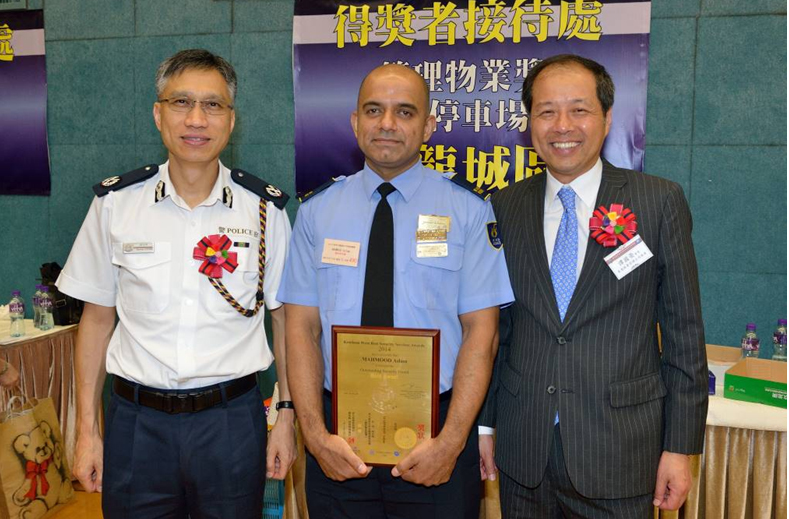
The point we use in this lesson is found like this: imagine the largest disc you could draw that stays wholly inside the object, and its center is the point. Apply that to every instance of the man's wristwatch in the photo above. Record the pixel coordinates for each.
(285, 404)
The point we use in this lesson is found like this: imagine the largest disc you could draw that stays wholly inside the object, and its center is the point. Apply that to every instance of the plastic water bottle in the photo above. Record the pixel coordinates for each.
(37, 307)
(750, 342)
(47, 320)
(16, 310)
(779, 341)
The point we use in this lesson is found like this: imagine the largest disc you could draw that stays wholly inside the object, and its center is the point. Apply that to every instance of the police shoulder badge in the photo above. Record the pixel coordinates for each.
(309, 194)
(260, 187)
(461, 181)
(117, 182)
(493, 235)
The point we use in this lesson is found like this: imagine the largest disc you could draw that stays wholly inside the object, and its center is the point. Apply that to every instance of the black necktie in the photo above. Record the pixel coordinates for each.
(378, 300)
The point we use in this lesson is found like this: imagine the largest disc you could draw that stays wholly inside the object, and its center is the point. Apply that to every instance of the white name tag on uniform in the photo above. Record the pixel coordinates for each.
(339, 252)
(628, 257)
(432, 250)
(139, 248)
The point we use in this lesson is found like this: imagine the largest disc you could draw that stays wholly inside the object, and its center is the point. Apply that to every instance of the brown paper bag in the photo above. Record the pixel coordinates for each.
(34, 475)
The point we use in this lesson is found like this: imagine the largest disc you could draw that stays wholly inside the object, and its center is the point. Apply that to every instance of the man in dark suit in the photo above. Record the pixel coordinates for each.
(592, 420)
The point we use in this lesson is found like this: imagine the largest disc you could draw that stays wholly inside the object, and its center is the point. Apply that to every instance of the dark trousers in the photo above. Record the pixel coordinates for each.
(381, 496)
(204, 465)
(556, 497)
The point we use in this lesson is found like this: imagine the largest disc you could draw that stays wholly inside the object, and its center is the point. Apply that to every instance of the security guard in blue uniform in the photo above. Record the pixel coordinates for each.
(439, 266)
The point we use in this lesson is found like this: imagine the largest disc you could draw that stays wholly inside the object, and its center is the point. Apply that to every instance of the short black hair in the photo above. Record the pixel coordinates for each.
(605, 85)
(200, 59)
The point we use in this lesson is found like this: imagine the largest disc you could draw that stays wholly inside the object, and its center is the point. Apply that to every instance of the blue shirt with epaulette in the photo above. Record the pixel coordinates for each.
(429, 292)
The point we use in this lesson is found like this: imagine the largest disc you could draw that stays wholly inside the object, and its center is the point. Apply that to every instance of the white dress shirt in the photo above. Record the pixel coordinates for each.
(586, 187)
(175, 331)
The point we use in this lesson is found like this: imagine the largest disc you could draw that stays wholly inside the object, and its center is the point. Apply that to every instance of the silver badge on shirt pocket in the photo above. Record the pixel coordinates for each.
(142, 247)
(432, 250)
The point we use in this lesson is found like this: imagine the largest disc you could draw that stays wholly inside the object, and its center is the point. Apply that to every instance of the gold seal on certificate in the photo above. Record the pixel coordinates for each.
(385, 389)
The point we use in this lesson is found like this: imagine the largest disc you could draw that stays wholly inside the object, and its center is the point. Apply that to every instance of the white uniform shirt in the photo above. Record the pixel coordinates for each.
(175, 330)
(586, 187)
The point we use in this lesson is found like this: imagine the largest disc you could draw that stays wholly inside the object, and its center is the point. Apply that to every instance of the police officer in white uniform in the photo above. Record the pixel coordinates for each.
(186, 255)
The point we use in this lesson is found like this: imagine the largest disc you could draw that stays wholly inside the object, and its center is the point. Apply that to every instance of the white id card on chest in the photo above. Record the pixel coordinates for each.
(628, 257)
(340, 252)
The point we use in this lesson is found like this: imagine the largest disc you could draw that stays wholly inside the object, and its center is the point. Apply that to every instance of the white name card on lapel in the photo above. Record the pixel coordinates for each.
(628, 257)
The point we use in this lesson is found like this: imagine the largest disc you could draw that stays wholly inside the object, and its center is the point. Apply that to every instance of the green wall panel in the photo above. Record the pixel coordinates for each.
(730, 300)
(157, 17)
(75, 170)
(670, 90)
(91, 92)
(265, 82)
(675, 8)
(262, 15)
(671, 162)
(741, 81)
(85, 19)
(725, 7)
(739, 209)
(149, 154)
(26, 230)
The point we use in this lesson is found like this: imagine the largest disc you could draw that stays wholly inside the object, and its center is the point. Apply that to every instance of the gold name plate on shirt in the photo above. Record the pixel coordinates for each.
(431, 235)
(384, 389)
(433, 222)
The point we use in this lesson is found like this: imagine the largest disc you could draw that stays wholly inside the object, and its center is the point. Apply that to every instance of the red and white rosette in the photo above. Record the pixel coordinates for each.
(611, 226)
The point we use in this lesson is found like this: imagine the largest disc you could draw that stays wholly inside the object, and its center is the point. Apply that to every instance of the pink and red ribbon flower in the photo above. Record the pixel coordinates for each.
(213, 251)
(609, 226)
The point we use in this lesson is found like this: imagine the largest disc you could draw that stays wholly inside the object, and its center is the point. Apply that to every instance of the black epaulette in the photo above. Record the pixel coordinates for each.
(309, 194)
(461, 181)
(260, 187)
(127, 179)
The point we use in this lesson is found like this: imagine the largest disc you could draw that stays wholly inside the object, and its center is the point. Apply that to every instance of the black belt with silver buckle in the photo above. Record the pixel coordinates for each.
(188, 401)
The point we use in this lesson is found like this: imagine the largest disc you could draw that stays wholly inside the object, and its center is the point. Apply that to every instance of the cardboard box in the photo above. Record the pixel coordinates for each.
(757, 380)
(723, 354)
(720, 359)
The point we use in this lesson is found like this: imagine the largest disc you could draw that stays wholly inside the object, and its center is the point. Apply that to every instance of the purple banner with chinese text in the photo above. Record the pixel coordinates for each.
(24, 154)
(474, 56)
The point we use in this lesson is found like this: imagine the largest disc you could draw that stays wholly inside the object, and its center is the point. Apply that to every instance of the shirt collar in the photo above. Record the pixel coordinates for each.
(585, 186)
(407, 183)
(163, 188)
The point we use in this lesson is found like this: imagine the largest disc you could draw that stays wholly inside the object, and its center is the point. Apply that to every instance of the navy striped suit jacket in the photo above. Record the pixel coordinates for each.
(620, 402)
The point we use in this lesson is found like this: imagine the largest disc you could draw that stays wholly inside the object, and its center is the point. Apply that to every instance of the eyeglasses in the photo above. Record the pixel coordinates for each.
(185, 105)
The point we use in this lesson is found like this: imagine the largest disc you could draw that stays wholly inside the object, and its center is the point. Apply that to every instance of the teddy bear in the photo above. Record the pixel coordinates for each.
(46, 482)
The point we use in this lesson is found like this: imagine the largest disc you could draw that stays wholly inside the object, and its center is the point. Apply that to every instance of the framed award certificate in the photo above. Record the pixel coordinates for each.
(384, 389)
